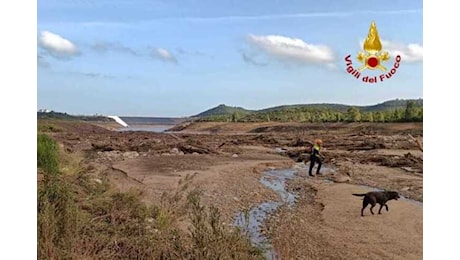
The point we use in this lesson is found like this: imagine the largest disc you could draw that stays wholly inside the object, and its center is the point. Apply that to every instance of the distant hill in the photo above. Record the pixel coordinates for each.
(391, 104)
(223, 110)
(59, 115)
(334, 107)
(388, 111)
(130, 120)
(387, 105)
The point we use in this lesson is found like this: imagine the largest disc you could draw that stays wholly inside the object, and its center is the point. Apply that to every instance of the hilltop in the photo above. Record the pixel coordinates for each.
(223, 110)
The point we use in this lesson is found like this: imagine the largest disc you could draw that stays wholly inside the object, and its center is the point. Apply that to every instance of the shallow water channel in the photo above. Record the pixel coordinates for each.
(251, 222)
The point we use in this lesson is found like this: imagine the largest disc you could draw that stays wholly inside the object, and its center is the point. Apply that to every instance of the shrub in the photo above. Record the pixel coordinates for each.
(47, 154)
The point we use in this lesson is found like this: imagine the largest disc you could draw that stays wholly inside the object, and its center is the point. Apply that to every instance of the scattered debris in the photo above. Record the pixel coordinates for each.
(130, 155)
(98, 181)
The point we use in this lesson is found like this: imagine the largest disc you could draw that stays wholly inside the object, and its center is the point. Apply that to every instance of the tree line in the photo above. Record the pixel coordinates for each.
(411, 113)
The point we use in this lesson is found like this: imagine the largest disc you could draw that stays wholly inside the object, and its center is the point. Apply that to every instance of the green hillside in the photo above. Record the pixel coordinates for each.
(391, 104)
(223, 110)
(397, 110)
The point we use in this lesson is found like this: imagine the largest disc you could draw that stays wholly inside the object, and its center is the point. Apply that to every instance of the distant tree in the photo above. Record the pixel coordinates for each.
(410, 114)
(235, 116)
(379, 117)
(339, 117)
(368, 117)
(308, 116)
(353, 114)
(420, 114)
(302, 117)
(396, 116)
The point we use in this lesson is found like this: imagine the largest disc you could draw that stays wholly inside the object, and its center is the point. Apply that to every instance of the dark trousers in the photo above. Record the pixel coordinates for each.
(314, 160)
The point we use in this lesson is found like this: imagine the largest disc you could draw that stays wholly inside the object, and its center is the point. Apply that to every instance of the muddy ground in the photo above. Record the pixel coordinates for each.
(226, 161)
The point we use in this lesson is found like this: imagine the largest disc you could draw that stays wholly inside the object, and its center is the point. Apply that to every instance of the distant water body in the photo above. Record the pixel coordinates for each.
(149, 124)
(147, 128)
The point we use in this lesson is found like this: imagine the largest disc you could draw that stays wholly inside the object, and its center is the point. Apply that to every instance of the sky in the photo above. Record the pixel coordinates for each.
(178, 58)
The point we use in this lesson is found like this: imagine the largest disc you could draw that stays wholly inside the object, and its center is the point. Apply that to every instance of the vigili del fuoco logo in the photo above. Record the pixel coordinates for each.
(373, 58)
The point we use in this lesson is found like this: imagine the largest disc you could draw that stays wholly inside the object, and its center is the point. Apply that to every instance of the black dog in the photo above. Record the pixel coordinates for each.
(380, 197)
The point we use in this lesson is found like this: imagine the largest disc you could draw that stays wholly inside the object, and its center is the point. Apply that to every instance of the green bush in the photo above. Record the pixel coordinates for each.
(47, 154)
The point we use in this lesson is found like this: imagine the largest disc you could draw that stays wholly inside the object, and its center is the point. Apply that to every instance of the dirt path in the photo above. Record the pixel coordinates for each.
(231, 184)
(326, 224)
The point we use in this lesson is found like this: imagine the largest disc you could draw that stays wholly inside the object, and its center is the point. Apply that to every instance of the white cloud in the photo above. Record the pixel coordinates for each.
(57, 45)
(164, 55)
(292, 50)
(412, 52)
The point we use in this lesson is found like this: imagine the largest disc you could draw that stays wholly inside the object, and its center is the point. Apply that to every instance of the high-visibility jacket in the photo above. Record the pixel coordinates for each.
(315, 151)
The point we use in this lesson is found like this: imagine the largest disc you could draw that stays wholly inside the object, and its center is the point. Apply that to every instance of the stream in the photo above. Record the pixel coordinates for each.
(251, 222)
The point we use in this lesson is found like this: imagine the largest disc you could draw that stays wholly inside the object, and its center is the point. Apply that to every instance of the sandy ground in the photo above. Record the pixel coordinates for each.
(226, 162)
(329, 226)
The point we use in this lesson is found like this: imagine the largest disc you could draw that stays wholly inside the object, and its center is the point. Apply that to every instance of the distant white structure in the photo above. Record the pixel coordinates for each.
(118, 120)
(44, 110)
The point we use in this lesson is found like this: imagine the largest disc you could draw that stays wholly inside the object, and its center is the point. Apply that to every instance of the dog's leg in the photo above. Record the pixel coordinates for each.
(386, 206)
(373, 205)
(380, 209)
(365, 202)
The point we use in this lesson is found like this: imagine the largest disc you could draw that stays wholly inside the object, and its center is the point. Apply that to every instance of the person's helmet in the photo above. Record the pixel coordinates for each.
(319, 141)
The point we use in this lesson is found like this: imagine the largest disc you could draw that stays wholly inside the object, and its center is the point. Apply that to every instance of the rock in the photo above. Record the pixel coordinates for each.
(342, 179)
(112, 155)
(236, 199)
(166, 154)
(130, 155)
(181, 153)
(98, 181)
(235, 155)
(280, 150)
(175, 151)
(195, 153)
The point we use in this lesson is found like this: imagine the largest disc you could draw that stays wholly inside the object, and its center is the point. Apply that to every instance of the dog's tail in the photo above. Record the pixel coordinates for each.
(359, 195)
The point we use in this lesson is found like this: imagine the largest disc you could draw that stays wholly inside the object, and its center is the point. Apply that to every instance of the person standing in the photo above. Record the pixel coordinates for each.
(316, 157)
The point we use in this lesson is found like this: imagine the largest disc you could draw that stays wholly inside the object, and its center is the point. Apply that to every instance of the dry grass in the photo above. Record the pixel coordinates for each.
(79, 218)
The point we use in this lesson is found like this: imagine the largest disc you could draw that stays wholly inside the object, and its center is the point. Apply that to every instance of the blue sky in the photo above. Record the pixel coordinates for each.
(178, 58)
